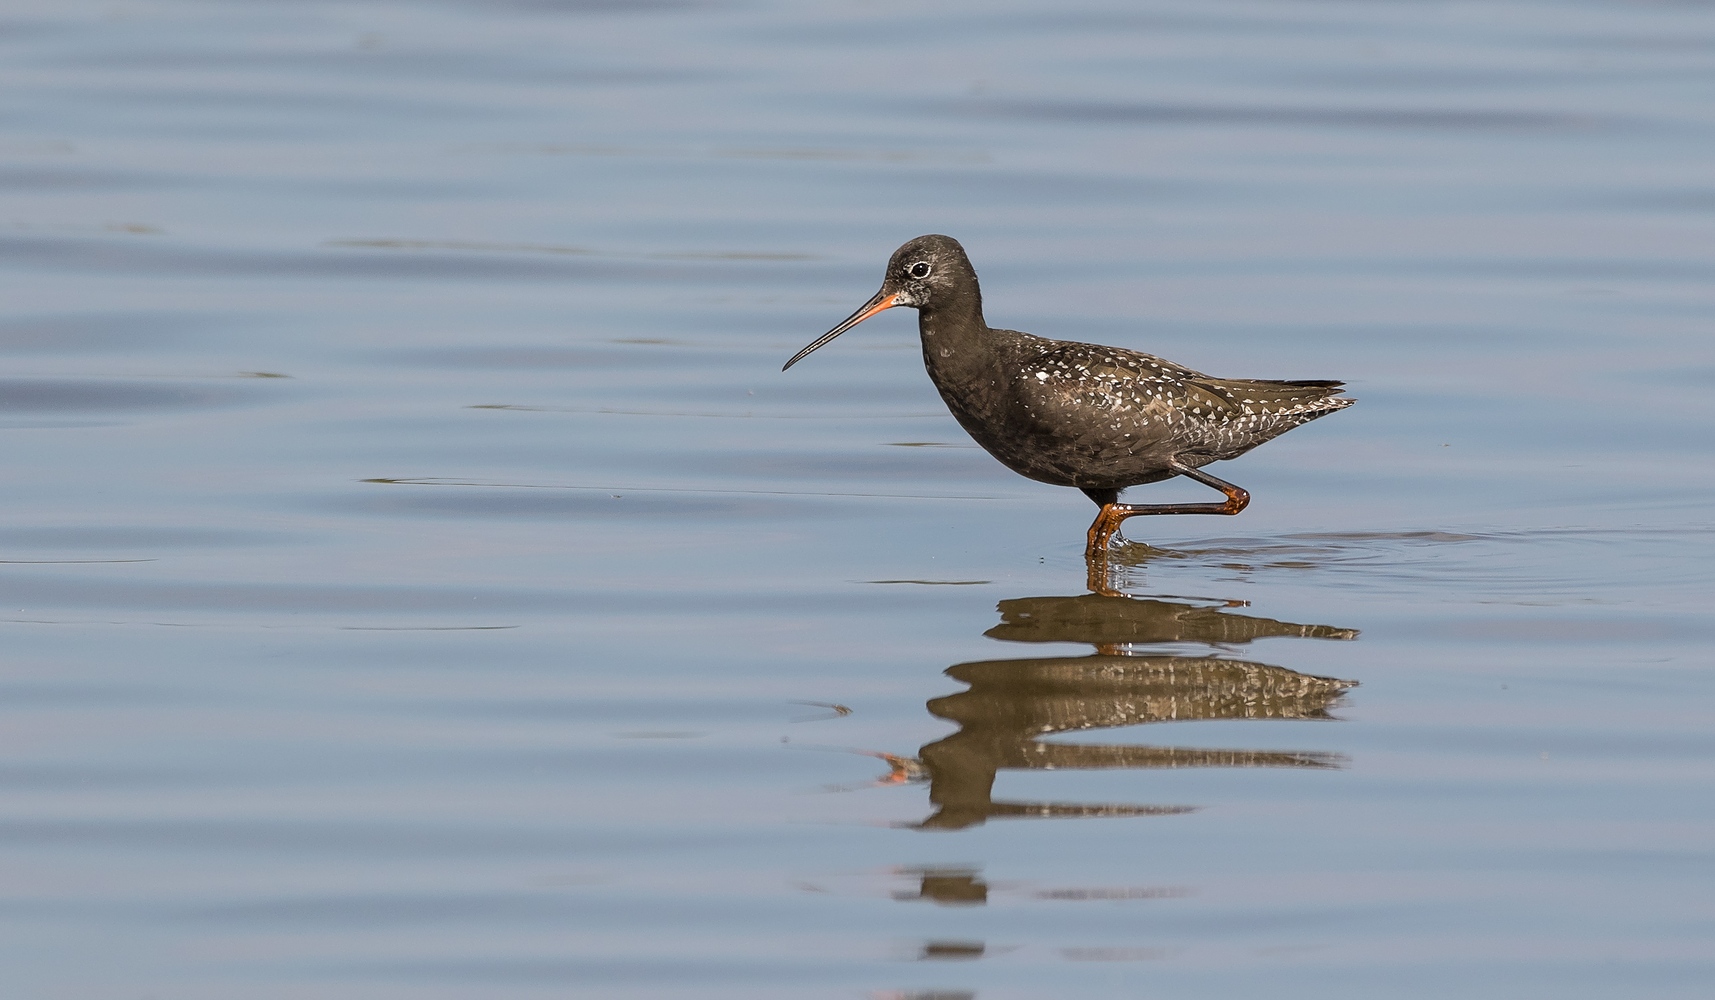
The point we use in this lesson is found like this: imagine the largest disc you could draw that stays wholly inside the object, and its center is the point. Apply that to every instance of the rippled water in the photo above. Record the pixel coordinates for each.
(418, 579)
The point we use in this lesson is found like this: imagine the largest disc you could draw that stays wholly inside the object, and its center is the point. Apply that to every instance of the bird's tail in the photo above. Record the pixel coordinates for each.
(1283, 396)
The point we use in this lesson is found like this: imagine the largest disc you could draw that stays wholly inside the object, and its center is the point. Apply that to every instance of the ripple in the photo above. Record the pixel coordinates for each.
(1165, 113)
(26, 395)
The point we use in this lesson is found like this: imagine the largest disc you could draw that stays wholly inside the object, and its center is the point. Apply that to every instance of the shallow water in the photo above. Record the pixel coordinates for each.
(419, 580)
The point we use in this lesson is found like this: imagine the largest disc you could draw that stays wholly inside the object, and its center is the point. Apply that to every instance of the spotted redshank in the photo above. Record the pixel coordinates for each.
(1100, 419)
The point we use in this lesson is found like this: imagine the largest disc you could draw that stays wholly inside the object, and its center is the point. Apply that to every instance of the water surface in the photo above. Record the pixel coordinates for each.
(419, 580)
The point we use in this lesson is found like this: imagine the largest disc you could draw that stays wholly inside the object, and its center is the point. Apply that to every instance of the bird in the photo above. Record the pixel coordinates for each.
(1099, 419)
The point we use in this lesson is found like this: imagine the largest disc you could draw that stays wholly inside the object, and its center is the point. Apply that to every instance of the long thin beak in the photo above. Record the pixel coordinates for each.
(884, 299)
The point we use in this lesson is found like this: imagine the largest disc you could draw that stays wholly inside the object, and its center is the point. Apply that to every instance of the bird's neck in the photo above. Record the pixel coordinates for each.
(954, 335)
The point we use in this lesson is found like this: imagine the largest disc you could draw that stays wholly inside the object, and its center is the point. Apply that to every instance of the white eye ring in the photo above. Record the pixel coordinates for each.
(920, 269)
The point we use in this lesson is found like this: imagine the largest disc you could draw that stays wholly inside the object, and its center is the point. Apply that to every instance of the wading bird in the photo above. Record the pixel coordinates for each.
(1099, 419)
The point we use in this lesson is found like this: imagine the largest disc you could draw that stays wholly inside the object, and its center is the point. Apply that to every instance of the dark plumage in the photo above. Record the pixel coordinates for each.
(1097, 418)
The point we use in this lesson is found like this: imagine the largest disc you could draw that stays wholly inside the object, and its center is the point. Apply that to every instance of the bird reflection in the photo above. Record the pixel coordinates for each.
(947, 887)
(1012, 704)
(1111, 622)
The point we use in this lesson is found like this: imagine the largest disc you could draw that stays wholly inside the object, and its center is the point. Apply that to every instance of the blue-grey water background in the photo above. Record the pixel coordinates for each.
(419, 580)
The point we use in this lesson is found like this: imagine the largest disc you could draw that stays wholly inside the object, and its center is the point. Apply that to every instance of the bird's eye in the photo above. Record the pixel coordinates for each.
(920, 269)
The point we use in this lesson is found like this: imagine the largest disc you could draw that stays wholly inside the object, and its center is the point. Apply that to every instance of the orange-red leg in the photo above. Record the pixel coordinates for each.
(1113, 512)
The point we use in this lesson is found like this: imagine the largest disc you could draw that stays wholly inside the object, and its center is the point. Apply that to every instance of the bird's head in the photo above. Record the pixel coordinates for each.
(928, 272)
